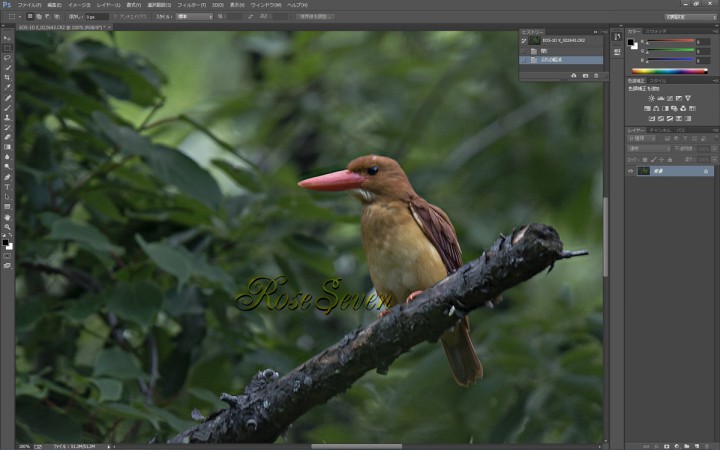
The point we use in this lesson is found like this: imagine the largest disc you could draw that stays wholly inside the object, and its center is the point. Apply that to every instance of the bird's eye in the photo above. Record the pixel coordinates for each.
(373, 170)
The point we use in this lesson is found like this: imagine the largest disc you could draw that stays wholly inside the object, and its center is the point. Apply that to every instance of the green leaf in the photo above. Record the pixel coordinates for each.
(129, 141)
(169, 165)
(91, 341)
(588, 387)
(176, 168)
(47, 40)
(79, 309)
(300, 206)
(84, 234)
(104, 204)
(537, 399)
(239, 174)
(29, 388)
(29, 313)
(212, 273)
(49, 422)
(311, 251)
(210, 373)
(118, 364)
(168, 258)
(127, 77)
(110, 390)
(137, 302)
(189, 212)
(132, 412)
(125, 83)
(287, 270)
(185, 301)
(174, 421)
(207, 396)
(181, 263)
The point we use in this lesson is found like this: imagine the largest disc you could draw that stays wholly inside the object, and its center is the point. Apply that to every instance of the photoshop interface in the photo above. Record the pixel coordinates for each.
(109, 203)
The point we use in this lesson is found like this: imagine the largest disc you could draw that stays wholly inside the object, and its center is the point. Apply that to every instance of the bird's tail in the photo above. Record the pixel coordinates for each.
(464, 361)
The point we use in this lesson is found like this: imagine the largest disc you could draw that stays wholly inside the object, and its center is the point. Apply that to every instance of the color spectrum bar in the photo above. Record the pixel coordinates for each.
(669, 58)
(672, 40)
(673, 49)
(641, 71)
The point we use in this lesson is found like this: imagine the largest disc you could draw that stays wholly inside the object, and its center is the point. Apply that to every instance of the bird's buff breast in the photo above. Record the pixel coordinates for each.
(400, 257)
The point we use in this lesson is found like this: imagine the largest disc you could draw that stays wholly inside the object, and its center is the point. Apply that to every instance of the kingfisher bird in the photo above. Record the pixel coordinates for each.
(410, 244)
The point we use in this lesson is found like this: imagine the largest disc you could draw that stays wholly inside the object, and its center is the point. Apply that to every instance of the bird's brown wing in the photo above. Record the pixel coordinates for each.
(458, 346)
(439, 230)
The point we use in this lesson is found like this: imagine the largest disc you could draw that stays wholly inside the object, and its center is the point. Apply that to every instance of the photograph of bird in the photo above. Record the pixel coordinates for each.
(409, 243)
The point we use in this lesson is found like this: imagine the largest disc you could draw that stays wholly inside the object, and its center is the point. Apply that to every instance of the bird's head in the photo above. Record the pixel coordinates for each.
(367, 178)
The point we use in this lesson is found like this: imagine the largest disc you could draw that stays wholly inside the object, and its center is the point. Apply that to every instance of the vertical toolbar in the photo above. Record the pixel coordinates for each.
(7, 141)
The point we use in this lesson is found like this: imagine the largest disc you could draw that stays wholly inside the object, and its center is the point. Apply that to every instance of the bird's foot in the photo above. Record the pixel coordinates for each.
(384, 313)
(412, 296)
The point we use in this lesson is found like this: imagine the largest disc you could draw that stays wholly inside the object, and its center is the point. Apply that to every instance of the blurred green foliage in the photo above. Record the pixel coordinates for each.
(157, 176)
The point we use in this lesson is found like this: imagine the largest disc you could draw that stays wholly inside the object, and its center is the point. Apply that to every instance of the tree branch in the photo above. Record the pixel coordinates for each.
(270, 403)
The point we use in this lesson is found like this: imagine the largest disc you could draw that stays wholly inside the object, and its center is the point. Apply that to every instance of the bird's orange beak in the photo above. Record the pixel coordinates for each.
(337, 181)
